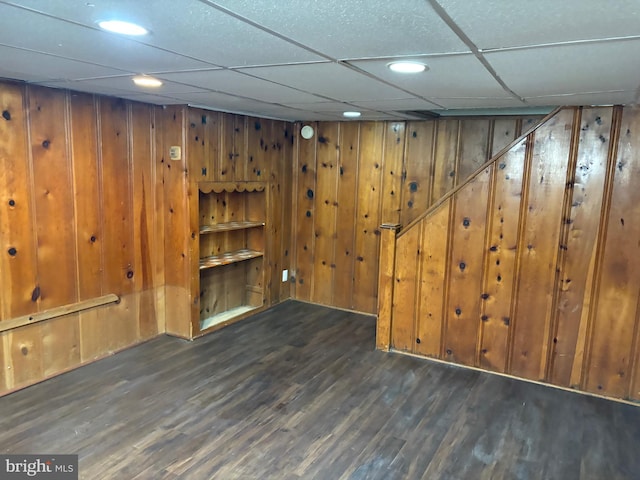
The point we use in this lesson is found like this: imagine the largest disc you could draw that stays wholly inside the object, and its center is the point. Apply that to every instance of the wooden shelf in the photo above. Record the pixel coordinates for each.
(232, 220)
(225, 316)
(228, 258)
(226, 227)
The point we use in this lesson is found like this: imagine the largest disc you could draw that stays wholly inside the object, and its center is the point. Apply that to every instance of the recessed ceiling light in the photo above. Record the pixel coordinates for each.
(124, 28)
(351, 114)
(146, 81)
(407, 67)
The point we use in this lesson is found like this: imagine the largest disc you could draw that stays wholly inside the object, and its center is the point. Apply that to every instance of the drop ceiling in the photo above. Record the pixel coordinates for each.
(312, 60)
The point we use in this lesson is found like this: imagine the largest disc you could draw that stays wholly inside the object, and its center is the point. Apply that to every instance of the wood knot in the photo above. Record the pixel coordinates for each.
(6, 115)
(12, 203)
(25, 351)
(130, 274)
(46, 144)
(12, 251)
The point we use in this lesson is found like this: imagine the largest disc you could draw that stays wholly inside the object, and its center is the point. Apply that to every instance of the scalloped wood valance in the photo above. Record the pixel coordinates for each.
(219, 187)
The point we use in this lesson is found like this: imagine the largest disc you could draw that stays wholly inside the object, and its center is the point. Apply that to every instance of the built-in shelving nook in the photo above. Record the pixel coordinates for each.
(232, 218)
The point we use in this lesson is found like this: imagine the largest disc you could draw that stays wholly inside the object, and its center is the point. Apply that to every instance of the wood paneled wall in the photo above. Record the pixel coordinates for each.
(532, 268)
(353, 176)
(222, 147)
(90, 204)
(78, 219)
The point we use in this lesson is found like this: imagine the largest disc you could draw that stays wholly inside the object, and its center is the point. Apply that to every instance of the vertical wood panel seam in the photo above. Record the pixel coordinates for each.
(131, 210)
(563, 239)
(245, 152)
(616, 125)
(312, 243)
(432, 164)
(522, 218)
(336, 190)
(355, 217)
(518, 127)
(447, 274)
(68, 126)
(184, 124)
(34, 226)
(542, 368)
(418, 285)
(456, 160)
(26, 102)
(99, 158)
(403, 173)
(491, 131)
(293, 263)
(379, 220)
(488, 228)
(382, 172)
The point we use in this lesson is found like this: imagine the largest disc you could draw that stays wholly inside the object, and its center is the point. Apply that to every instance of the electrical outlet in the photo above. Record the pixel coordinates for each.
(175, 153)
(285, 275)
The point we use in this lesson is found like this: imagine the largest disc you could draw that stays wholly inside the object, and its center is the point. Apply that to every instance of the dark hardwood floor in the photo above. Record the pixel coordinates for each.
(299, 392)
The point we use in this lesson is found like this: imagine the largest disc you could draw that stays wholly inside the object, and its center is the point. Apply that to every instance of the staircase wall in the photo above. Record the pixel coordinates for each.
(532, 267)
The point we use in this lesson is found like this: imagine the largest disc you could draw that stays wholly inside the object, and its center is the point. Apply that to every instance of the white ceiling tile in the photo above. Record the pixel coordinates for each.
(356, 28)
(57, 43)
(82, 87)
(313, 116)
(56, 37)
(221, 101)
(336, 107)
(566, 69)
(398, 104)
(153, 99)
(35, 67)
(470, 112)
(595, 98)
(479, 102)
(188, 27)
(328, 79)
(498, 23)
(232, 82)
(125, 84)
(376, 116)
(448, 76)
